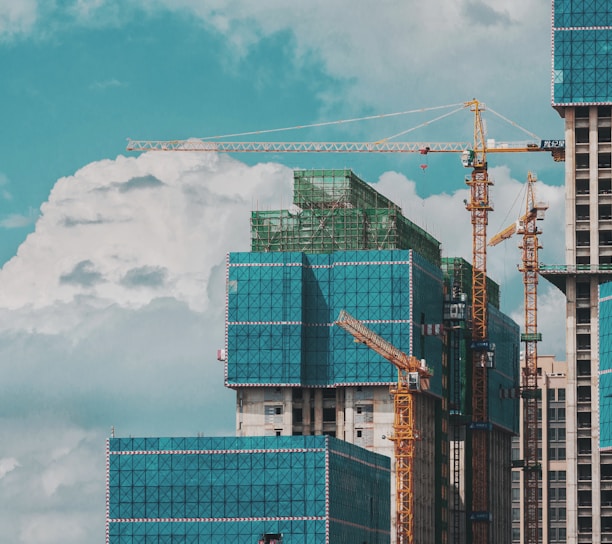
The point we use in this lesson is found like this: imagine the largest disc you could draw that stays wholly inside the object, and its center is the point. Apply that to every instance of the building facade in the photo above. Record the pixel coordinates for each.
(552, 448)
(582, 94)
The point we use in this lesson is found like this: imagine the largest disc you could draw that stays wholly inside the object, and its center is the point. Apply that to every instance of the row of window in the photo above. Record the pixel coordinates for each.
(555, 534)
(556, 394)
(554, 514)
(554, 494)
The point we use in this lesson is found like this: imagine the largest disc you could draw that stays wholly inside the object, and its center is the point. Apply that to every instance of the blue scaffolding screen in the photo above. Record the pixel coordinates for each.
(605, 366)
(582, 34)
(281, 308)
(504, 375)
(310, 489)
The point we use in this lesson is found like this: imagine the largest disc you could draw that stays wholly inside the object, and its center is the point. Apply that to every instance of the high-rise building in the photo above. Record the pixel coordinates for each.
(582, 94)
(552, 448)
(343, 246)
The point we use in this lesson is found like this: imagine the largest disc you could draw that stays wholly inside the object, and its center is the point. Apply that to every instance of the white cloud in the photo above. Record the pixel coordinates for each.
(110, 315)
(106, 84)
(7, 465)
(15, 221)
(17, 18)
(112, 220)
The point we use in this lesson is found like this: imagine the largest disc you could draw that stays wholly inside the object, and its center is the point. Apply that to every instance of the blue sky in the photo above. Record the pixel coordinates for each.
(113, 280)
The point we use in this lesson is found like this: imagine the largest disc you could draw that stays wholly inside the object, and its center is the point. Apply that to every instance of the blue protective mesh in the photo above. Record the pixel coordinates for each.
(605, 365)
(281, 308)
(582, 71)
(505, 334)
(218, 490)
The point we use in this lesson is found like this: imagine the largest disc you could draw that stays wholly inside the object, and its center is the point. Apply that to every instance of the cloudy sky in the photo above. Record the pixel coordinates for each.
(112, 284)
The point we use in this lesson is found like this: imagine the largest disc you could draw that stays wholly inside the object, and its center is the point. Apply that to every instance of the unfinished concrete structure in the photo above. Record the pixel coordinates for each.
(344, 246)
(582, 94)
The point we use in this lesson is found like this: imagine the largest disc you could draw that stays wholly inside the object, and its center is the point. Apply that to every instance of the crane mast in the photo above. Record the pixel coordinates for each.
(479, 207)
(527, 226)
(412, 377)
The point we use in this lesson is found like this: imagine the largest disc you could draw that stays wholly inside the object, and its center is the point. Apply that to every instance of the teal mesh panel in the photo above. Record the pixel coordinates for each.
(582, 71)
(605, 365)
(505, 334)
(219, 490)
(281, 313)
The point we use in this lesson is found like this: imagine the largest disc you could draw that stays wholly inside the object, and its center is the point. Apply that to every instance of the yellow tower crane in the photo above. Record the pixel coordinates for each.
(474, 156)
(412, 377)
(526, 225)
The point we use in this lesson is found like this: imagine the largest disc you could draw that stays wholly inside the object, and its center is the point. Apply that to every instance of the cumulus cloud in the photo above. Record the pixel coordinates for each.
(110, 316)
(118, 223)
(17, 18)
(16, 221)
(7, 465)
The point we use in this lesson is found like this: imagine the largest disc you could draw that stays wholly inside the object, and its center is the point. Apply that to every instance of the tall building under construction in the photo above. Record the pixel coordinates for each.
(343, 246)
(582, 94)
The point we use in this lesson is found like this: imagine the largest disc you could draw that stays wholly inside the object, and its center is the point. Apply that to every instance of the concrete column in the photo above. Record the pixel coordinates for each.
(349, 414)
(570, 327)
(318, 411)
(287, 411)
(340, 413)
(306, 423)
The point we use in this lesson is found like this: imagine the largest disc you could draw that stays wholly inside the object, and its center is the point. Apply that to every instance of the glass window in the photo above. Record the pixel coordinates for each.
(516, 494)
(551, 394)
(561, 474)
(516, 514)
(561, 414)
(561, 395)
(561, 493)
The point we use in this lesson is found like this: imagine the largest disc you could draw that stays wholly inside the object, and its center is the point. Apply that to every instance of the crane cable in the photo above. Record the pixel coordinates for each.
(426, 123)
(338, 122)
(535, 136)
